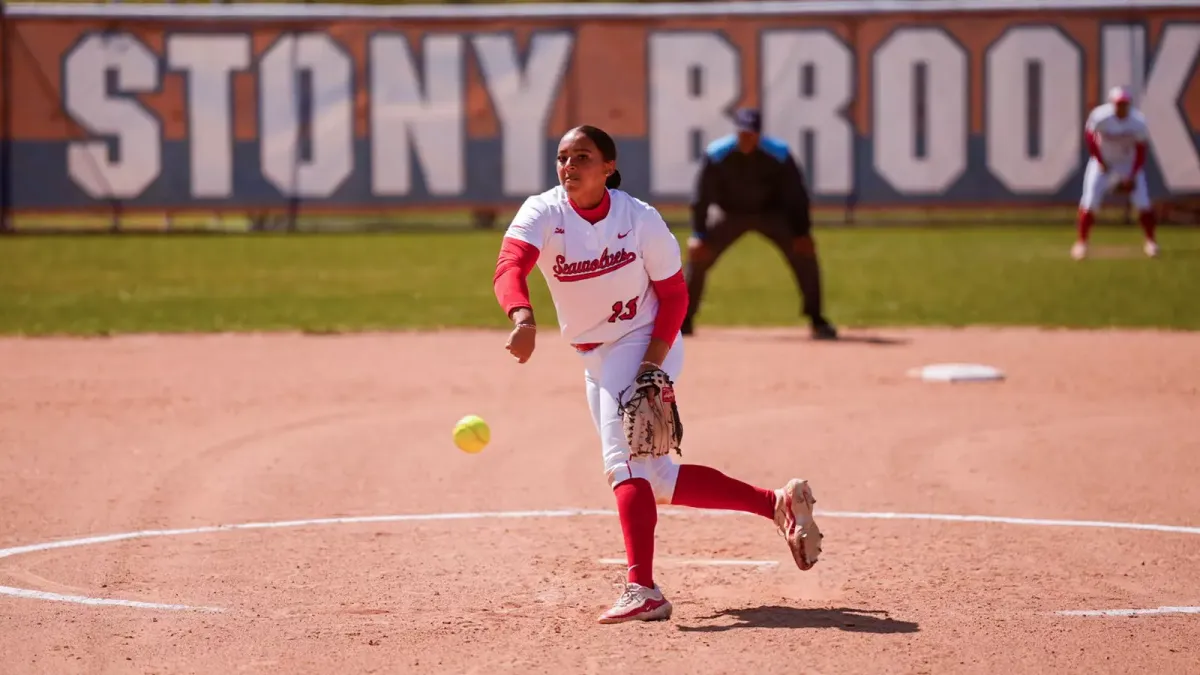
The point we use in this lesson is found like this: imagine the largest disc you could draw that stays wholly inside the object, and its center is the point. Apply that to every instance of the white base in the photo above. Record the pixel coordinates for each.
(957, 372)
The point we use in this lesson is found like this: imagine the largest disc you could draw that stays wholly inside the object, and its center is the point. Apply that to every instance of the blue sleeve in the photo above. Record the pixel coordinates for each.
(720, 148)
(775, 148)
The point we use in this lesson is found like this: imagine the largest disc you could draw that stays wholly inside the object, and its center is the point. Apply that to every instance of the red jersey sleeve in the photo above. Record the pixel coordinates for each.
(516, 260)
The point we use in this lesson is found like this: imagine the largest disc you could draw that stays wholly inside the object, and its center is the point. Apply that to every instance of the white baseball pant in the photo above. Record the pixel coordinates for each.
(610, 370)
(1097, 183)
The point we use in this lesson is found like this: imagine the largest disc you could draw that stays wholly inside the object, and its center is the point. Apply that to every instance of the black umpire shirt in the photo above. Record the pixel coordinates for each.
(765, 181)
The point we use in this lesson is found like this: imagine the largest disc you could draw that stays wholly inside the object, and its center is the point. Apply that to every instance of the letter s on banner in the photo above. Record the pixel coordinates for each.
(135, 131)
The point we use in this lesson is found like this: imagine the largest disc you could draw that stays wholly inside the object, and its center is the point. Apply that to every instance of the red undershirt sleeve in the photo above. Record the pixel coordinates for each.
(1092, 146)
(672, 307)
(1139, 159)
(513, 265)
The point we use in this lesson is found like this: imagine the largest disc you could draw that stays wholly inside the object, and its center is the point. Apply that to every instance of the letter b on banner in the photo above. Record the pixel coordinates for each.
(693, 79)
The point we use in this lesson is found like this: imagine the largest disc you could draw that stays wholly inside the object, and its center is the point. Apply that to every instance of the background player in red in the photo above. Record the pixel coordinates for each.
(1116, 137)
(614, 271)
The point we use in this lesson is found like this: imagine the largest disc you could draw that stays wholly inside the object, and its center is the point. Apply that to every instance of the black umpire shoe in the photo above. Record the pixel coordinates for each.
(823, 330)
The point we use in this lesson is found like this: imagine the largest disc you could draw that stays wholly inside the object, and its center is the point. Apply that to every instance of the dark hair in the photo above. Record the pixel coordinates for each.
(608, 150)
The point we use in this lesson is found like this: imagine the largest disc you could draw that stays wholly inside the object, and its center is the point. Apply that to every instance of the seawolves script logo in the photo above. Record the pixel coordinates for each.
(590, 269)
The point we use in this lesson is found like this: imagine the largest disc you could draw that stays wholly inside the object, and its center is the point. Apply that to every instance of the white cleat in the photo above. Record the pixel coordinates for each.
(1151, 249)
(794, 518)
(1079, 250)
(638, 603)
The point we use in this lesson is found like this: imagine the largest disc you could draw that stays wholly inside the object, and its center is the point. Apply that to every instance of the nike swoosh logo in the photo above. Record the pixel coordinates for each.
(622, 236)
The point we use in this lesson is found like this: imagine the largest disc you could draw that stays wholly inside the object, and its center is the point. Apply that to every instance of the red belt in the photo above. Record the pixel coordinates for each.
(586, 347)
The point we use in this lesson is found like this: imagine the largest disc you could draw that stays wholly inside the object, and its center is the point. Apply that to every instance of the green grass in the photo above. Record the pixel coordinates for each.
(416, 219)
(1016, 275)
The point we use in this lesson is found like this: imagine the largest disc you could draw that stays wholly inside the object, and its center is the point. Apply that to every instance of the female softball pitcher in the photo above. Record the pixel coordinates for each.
(614, 272)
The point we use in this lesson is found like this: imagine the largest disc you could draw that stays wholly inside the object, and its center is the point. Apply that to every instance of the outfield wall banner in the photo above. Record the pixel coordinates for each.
(353, 107)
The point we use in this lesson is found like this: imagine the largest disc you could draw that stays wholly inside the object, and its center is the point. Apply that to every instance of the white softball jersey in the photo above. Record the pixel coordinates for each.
(599, 275)
(1118, 138)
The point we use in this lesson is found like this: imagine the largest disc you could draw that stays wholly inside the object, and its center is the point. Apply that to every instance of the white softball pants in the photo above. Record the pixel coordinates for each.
(610, 370)
(1097, 183)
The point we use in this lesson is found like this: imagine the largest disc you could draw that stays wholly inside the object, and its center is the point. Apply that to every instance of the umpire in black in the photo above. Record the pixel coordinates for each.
(758, 186)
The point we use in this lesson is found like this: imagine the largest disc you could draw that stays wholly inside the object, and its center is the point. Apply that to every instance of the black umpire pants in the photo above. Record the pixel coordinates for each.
(729, 228)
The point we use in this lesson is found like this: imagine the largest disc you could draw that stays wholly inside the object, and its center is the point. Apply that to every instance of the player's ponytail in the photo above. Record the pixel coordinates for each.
(608, 150)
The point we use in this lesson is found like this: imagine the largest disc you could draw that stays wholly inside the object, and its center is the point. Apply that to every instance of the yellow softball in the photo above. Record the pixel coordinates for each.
(471, 434)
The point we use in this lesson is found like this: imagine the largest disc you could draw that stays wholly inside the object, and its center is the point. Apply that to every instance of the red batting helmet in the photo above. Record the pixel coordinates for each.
(1119, 94)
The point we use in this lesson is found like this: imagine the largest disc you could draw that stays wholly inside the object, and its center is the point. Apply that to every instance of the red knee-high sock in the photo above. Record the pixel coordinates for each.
(1084, 224)
(1146, 218)
(639, 516)
(704, 487)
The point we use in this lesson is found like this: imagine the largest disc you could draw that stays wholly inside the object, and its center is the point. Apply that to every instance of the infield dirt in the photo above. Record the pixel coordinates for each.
(103, 436)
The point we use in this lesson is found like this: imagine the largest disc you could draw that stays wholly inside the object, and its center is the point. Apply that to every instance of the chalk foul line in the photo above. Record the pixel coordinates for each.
(1129, 612)
(100, 602)
(497, 515)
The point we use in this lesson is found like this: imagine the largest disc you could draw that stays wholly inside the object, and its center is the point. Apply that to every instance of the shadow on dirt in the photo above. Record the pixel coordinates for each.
(843, 338)
(869, 340)
(842, 618)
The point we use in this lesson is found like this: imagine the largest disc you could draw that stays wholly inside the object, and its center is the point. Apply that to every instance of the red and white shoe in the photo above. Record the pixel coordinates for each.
(794, 518)
(1079, 250)
(638, 603)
